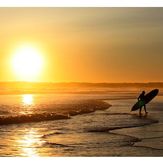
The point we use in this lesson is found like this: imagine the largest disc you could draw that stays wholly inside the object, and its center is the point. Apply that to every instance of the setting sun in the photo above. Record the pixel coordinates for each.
(27, 63)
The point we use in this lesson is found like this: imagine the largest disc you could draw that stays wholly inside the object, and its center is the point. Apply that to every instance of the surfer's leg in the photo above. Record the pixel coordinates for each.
(140, 111)
(145, 109)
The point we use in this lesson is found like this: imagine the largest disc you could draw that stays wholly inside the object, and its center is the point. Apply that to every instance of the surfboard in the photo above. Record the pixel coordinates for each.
(148, 97)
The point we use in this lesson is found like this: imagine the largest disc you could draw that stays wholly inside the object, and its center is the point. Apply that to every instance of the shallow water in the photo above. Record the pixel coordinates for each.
(111, 132)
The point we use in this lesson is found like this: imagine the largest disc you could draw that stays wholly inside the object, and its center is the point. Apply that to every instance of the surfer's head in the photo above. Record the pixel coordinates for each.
(143, 92)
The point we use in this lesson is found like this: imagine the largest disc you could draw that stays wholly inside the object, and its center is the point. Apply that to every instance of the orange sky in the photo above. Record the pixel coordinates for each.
(86, 44)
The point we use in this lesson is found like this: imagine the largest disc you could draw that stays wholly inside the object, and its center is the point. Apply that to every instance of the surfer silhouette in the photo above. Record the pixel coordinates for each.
(142, 98)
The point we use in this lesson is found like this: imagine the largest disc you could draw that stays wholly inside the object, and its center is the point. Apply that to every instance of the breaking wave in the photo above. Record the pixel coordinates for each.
(83, 107)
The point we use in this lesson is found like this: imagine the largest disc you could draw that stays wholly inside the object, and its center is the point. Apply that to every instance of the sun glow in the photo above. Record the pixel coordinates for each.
(27, 63)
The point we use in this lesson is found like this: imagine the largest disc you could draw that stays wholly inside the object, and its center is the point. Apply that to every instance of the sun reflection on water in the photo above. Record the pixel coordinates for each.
(30, 143)
(27, 104)
(27, 99)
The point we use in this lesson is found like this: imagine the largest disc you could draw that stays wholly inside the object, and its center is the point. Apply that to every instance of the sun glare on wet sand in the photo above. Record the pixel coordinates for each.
(28, 141)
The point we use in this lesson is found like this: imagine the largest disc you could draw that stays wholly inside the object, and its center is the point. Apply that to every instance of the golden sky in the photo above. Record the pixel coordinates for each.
(85, 44)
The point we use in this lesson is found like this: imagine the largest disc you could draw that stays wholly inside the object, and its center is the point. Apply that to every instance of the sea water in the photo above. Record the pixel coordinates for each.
(111, 132)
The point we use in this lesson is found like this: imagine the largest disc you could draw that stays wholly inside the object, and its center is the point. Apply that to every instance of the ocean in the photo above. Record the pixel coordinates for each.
(79, 124)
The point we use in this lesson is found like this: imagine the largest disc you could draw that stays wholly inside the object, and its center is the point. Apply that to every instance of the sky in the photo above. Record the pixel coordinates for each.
(86, 44)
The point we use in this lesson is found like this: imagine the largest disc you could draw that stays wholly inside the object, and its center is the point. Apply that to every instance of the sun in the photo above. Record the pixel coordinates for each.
(27, 63)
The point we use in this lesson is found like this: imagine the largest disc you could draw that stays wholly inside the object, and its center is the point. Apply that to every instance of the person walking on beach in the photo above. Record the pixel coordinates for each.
(141, 97)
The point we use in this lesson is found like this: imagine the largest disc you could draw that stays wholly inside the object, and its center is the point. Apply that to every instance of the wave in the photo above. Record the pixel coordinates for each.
(83, 107)
(31, 118)
(3, 112)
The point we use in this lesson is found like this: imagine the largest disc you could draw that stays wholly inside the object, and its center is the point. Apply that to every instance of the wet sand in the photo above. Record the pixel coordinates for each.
(150, 136)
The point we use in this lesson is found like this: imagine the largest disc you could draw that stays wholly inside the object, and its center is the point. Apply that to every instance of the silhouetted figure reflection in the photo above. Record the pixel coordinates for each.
(141, 97)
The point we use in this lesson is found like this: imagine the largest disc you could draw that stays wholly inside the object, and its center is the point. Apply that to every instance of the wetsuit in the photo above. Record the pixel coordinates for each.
(141, 97)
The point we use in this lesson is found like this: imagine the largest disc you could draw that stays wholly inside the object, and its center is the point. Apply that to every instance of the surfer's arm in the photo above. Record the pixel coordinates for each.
(140, 97)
